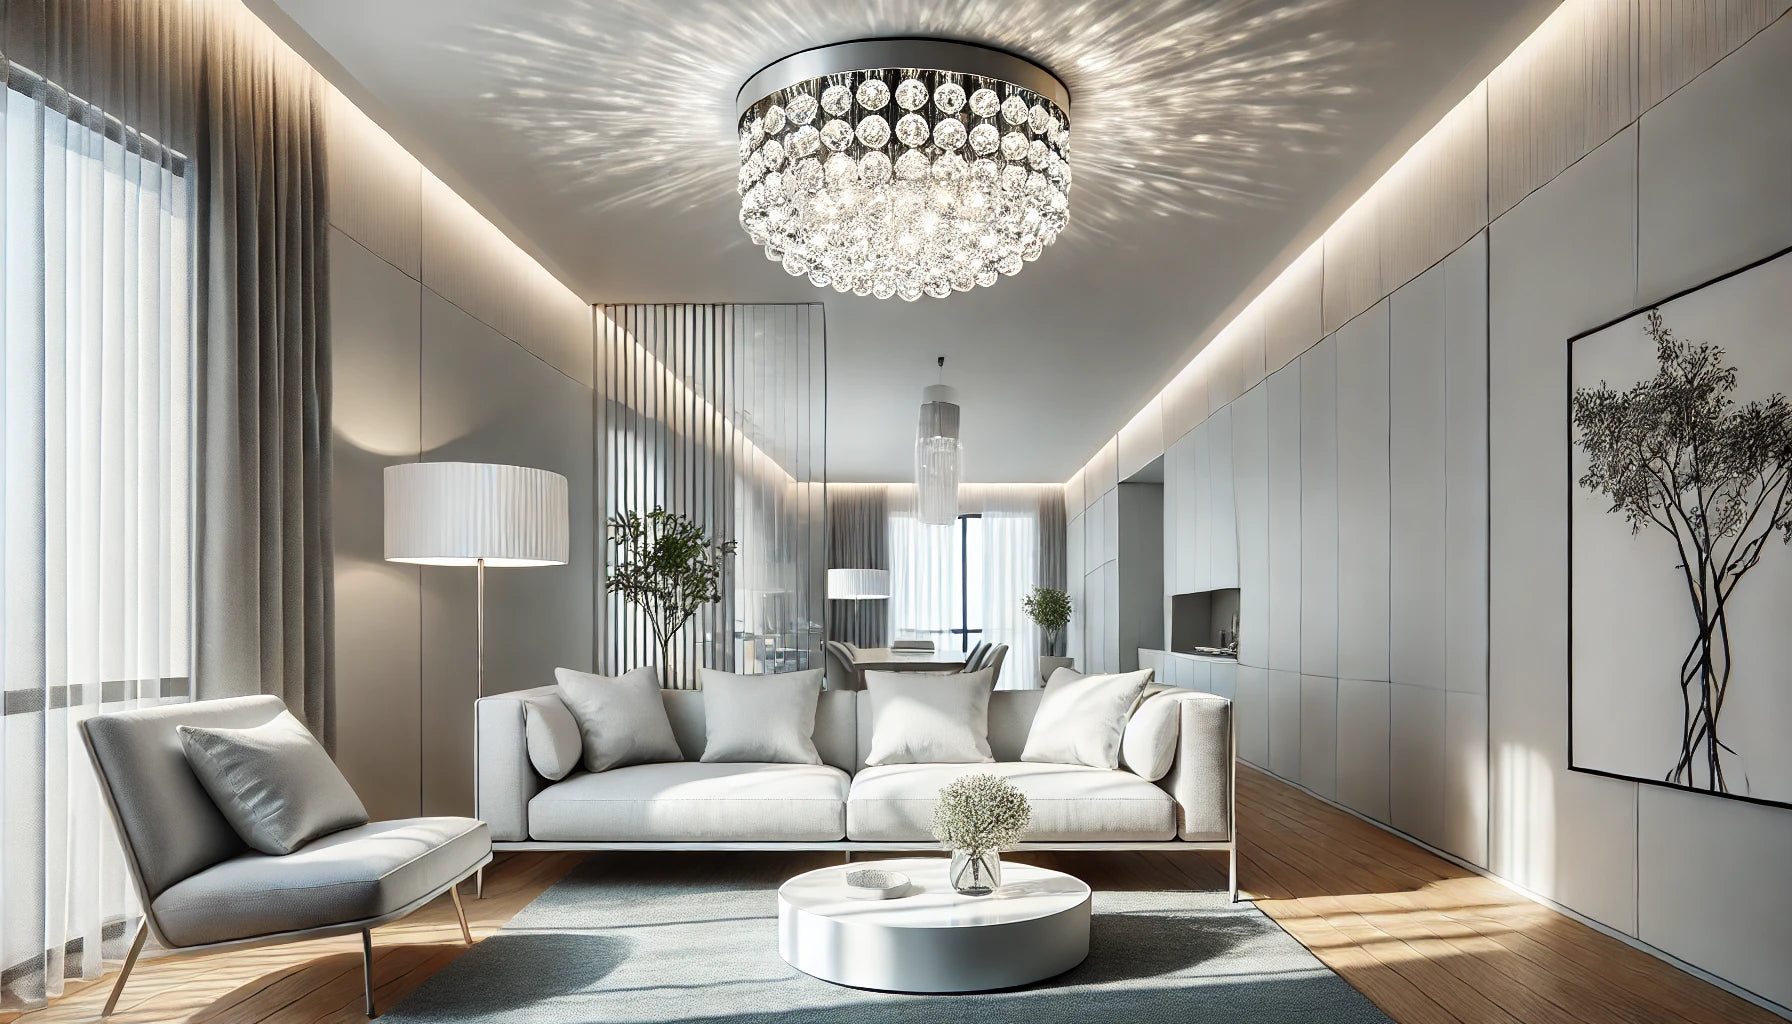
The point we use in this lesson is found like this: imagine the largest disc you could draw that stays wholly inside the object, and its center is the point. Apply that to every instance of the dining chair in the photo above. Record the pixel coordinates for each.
(992, 660)
(839, 669)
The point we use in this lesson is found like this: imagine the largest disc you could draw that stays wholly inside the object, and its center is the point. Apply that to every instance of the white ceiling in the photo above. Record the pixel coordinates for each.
(1208, 135)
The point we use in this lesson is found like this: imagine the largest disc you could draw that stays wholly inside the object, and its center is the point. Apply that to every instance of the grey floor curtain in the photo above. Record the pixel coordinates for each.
(263, 590)
(1053, 566)
(858, 524)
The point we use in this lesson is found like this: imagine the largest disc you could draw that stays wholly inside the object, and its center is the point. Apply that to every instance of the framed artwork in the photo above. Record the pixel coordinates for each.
(1680, 518)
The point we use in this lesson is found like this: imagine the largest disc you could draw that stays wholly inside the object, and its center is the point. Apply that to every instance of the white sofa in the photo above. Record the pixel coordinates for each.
(843, 805)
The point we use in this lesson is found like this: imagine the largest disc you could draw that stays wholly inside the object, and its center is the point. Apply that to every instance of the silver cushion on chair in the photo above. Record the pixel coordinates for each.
(357, 874)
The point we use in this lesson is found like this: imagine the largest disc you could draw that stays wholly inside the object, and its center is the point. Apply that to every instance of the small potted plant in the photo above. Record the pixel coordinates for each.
(977, 817)
(665, 564)
(1050, 611)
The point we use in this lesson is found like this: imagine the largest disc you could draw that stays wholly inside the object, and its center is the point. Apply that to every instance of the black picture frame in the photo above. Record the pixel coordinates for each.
(1568, 514)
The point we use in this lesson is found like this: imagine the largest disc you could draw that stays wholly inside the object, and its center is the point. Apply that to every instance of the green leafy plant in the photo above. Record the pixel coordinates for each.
(980, 813)
(1050, 610)
(665, 564)
(1677, 453)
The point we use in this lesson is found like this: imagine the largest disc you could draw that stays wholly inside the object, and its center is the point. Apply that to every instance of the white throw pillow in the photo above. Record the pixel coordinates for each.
(552, 734)
(762, 719)
(1148, 746)
(622, 719)
(1081, 718)
(273, 782)
(929, 718)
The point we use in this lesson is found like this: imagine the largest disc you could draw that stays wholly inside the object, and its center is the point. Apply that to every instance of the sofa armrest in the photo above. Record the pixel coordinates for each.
(1201, 779)
(504, 780)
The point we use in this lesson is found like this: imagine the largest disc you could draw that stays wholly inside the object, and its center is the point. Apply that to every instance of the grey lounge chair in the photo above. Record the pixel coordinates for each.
(202, 889)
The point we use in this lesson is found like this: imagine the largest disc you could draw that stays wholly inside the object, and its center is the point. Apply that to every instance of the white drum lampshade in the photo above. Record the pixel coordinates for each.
(858, 584)
(459, 513)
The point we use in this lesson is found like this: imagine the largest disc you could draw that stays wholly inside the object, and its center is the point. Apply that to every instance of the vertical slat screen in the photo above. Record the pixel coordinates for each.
(719, 412)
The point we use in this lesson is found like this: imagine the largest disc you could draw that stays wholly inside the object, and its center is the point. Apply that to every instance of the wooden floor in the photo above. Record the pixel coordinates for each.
(1427, 941)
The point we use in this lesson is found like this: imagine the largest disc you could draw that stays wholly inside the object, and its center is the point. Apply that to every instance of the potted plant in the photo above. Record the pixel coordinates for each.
(665, 564)
(977, 817)
(1050, 611)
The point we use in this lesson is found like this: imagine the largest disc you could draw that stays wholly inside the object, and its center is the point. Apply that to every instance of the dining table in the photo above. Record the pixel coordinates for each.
(888, 659)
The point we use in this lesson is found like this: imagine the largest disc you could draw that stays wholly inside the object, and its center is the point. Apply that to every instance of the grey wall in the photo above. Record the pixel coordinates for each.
(1399, 464)
(449, 343)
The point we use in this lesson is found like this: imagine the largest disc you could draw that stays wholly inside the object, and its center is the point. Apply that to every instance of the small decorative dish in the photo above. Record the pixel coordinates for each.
(876, 884)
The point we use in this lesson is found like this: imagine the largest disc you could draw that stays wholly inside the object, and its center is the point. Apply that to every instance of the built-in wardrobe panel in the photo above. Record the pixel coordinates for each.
(1363, 746)
(1095, 606)
(1416, 761)
(1465, 472)
(1250, 710)
(1075, 569)
(1363, 496)
(1284, 724)
(1282, 394)
(1200, 523)
(1319, 735)
(1416, 477)
(1319, 509)
(1221, 534)
(1250, 477)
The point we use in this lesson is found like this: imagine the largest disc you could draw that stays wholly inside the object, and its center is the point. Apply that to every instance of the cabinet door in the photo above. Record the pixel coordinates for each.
(1222, 518)
(1197, 674)
(1153, 660)
(1222, 678)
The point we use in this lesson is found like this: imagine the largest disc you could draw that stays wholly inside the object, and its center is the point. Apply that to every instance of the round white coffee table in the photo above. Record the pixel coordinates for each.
(934, 940)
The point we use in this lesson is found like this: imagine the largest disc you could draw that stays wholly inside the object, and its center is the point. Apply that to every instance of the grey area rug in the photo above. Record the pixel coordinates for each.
(601, 949)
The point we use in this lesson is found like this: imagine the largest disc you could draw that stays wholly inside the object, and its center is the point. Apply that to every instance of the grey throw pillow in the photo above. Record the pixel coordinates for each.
(929, 718)
(274, 783)
(552, 735)
(1081, 718)
(622, 719)
(762, 718)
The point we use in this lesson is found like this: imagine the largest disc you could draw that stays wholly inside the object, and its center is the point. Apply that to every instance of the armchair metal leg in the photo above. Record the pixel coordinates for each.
(479, 884)
(130, 961)
(465, 933)
(367, 969)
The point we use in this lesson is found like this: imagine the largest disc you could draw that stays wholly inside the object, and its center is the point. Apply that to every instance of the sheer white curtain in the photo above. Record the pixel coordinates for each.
(924, 574)
(1010, 570)
(94, 466)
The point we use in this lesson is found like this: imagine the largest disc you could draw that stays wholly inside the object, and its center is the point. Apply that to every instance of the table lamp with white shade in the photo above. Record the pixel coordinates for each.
(478, 514)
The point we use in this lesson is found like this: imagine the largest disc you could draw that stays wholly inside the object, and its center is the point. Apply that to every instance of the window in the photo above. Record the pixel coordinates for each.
(938, 585)
(969, 627)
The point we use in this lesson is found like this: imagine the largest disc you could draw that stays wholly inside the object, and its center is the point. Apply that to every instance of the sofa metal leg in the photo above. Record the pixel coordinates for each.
(367, 969)
(1232, 870)
(466, 933)
(130, 961)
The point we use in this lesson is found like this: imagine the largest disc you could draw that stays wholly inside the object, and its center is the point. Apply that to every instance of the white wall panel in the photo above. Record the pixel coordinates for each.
(1363, 746)
(1222, 679)
(1319, 509)
(1416, 762)
(1284, 724)
(1250, 708)
(376, 419)
(1561, 262)
(1564, 91)
(1714, 892)
(1073, 496)
(1363, 496)
(1319, 735)
(1465, 776)
(1435, 197)
(1352, 263)
(1095, 621)
(1282, 392)
(1465, 467)
(1417, 354)
(1678, 39)
(1075, 571)
(1714, 175)
(1189, 521)
(1110, 636)
(1141, 440)
(1250, 476)
(1201, 523)
(1292, 321)
(1222, 503)
(375, 186)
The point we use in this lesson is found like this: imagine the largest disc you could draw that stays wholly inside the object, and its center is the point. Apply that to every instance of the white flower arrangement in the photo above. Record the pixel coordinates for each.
(980, 814)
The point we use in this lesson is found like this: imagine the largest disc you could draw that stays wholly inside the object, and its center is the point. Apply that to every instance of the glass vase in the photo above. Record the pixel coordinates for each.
(976, 874)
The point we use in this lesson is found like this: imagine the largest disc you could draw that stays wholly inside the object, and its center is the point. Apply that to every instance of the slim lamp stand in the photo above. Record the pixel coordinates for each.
(479, 687)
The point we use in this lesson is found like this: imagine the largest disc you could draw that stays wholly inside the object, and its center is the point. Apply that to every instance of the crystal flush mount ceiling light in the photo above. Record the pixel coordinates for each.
(904, 167)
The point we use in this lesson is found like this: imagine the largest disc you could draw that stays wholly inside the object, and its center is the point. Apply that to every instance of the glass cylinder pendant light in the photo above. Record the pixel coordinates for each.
(939, 455)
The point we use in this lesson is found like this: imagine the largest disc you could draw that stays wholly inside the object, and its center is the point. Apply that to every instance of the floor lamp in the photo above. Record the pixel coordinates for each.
(478, 514)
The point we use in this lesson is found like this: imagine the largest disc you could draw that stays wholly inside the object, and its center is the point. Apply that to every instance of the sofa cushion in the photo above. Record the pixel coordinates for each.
(552, 733)
(354, 875)
(1081, 718)
(1148, 746)
(274, 782)
(622, 719)
(929, 718)
(894, 803)
(767, 718)
(694, 802)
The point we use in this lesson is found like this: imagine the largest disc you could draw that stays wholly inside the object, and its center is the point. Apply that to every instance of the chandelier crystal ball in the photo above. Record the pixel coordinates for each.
(902, 181)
